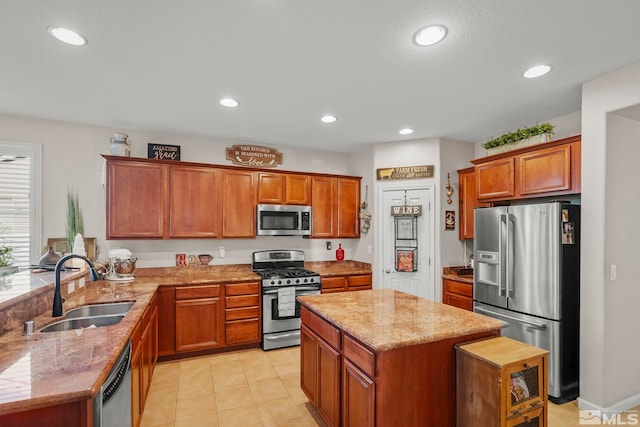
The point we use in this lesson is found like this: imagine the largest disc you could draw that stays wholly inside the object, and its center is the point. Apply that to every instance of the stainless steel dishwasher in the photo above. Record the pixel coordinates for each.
(112, 405)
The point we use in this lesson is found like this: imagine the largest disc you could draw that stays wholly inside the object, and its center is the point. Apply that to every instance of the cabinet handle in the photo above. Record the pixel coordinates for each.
(525, 365)
(526, 418)
(535, 404)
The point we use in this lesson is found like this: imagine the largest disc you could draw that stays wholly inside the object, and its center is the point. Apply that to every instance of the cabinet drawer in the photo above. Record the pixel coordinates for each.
(242, 301)
(242, 289)
(461, 288)
(321, 327)
(190, 292)
(360, 288)
(359, 355)
(242, 313)
(533, 418)
(242, 331)
(359, 280)
(332, 283)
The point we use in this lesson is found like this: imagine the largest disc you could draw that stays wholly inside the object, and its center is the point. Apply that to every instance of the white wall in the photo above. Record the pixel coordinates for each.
(71, 159)
(609, 345)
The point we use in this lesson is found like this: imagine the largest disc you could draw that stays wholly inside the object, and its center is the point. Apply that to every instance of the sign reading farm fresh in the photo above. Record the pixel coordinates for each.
(254, 155)
(406, 172)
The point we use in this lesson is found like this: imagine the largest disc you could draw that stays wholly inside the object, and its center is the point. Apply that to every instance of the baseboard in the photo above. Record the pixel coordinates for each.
(618, 407)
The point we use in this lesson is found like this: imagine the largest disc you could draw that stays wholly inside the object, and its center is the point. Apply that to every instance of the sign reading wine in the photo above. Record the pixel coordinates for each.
(254, 155)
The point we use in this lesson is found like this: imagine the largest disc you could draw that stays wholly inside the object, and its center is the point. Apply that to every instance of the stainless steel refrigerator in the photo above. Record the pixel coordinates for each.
(527, 274)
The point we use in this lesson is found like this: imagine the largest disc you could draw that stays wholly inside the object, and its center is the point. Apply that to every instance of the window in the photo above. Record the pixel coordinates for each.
(20, 189)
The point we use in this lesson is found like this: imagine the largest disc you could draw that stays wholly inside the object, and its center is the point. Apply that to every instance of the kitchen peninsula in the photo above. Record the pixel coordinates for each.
(384, 357)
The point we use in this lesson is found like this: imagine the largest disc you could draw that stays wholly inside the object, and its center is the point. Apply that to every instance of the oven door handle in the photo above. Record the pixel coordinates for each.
(298, 289)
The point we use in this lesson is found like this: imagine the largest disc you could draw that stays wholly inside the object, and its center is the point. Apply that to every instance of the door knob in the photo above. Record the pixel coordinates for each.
(387, 271)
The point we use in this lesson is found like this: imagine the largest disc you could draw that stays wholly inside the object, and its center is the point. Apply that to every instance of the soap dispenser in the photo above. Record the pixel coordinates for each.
(339, 252)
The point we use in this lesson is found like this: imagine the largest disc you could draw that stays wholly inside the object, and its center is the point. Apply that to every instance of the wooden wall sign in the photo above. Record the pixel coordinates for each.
(254, 155)
(163, 152)
(406, 172)
(406, 210)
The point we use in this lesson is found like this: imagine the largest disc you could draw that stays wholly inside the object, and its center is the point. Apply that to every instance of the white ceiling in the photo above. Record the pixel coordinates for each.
(162, 65)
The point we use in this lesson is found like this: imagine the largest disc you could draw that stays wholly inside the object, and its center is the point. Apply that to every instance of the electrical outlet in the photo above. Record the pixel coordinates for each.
(328, 246)
(81, 282)
(221, 251)
(369, 249)
(71, 287)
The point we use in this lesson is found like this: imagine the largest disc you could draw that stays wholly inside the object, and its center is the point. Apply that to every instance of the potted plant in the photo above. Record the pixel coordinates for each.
(6, 259)
(520, 138)
(75, 223)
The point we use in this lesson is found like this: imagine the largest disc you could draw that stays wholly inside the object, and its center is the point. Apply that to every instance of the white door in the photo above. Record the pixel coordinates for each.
(420, 282)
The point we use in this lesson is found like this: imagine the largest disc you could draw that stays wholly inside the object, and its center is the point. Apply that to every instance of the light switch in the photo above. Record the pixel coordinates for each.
(221, 251)
(613, 272)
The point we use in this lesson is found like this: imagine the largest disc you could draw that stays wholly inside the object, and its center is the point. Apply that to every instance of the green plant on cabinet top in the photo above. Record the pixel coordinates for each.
(519, 135)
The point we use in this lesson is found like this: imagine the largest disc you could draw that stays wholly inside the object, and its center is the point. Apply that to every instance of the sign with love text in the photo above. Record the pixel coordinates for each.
(254, 156)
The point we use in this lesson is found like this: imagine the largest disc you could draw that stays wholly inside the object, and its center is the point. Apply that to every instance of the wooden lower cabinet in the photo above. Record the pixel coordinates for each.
(458, 294)
(358, 396)
(242, 313)
(501, 382)
(73, 414)
(199, 318)
(144, 355)
(345, 283)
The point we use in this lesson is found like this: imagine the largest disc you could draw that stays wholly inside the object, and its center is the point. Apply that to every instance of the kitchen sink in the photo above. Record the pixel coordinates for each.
(100, 310)
(83, 322)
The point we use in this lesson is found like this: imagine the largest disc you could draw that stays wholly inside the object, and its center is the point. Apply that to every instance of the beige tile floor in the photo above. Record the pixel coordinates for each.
(250, 388)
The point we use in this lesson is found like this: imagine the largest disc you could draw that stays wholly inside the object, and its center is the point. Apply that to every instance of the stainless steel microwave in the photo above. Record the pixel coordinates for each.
(283, 220)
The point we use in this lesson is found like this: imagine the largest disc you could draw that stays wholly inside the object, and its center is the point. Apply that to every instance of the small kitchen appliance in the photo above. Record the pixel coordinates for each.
(283, 279)
(122, 264)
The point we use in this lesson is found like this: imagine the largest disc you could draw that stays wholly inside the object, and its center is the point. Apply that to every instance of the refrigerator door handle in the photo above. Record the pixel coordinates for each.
(509, 286)
(502, 251)
(531, 325)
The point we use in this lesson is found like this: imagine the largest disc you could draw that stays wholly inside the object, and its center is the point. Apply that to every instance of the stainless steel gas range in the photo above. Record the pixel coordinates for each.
(283, 279)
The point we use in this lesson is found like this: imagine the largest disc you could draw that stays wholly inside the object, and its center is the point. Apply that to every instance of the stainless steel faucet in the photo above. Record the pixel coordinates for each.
(57, 298)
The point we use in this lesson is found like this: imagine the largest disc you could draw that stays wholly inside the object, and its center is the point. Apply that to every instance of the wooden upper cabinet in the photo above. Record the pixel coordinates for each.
(136, 200)
(495, 179)
(467, 201)
(348, 207)
(544, 170)
(548, 169)
(324, 204)
(238, 203)
(288, 189)
(298, 190)
(194, 206)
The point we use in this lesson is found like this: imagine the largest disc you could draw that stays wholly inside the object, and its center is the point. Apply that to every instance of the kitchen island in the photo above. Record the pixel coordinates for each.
(384, 357)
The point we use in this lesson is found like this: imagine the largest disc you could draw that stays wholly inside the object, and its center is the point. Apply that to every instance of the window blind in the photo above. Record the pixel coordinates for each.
(15, 194)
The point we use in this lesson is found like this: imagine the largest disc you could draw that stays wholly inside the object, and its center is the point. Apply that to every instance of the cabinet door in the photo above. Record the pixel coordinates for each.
(198, 324)
(457, 294)
(348, 207)
(358, 397)
(495, 179)
(298, 190)
(136, 200)
(238, 204)
(136, 392)
(333, 284)
(359, 283)
(167, 322)
(525, 386)
(328, 403)
(271, 188)
(544, 171)
(467, 200)
(309, 363)
(323, 201)
(194, 208)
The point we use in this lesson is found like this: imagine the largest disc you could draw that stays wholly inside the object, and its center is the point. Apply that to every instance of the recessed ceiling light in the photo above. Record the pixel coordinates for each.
(430, 35)
(328, 119)
(405, 131)
(537, 71)
(68, 36)
(228, 102)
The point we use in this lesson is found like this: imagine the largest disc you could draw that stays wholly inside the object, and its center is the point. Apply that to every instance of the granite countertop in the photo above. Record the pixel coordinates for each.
(52, 368)
(338, 268)
(459, 274)
(386, 319)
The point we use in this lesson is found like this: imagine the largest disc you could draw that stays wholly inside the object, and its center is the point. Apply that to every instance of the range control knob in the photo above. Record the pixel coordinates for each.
(288, 281)
(279, 282)
(273, 282)
(297, 280)
(305, 280)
